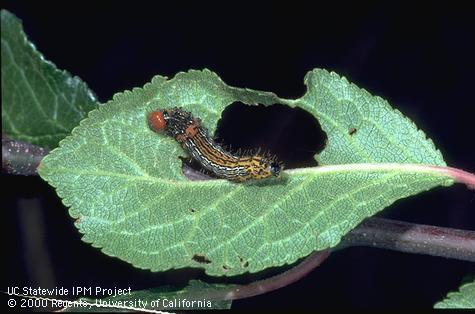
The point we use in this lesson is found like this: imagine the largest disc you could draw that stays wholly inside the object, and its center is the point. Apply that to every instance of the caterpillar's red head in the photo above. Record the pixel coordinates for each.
(156, 121)
(174, 122)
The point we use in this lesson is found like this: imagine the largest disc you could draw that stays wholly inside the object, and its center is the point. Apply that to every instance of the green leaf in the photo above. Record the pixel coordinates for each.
(362, 128)
(125, 185)
(196, 295)
(463, 299)
(40, 104)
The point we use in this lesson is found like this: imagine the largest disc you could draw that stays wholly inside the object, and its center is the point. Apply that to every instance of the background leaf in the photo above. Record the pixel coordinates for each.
(125, 185)
(164, 298)
(40, 104)
(462, 299)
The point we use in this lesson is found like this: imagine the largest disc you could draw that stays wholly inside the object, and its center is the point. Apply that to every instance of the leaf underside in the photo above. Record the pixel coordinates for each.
(125, 186)
(40, 104)
(191, 297)
(462, 299)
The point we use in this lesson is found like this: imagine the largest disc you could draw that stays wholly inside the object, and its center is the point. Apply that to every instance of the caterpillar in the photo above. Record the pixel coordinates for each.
(196, 141)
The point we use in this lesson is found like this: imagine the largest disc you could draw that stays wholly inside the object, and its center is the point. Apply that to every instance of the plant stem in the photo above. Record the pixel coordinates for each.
(278, 281)
(21, 158)
(460, 176)
(413, 238)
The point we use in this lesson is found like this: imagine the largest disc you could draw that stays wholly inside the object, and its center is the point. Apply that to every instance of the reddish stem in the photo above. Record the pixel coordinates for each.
(21, 158)
(281, 280)
(460, 176)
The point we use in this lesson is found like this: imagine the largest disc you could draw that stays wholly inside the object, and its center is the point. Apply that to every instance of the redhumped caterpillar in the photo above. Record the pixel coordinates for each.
(194, 139)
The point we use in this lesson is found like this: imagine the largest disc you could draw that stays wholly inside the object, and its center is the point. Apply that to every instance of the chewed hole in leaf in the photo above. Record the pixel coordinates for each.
(243, 262)
(201, 258)
(292, 134)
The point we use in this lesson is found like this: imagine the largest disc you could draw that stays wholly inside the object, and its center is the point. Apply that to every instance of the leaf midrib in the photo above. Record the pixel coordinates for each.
(383, 167)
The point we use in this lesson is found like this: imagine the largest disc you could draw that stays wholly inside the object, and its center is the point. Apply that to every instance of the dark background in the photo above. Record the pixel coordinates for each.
(421, 59)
